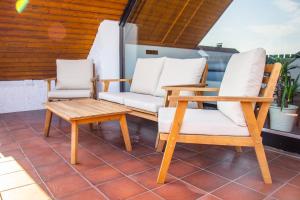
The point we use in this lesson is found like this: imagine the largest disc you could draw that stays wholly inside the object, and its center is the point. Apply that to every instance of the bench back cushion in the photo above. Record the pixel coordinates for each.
(74, 74)
(180, 71)
(243, 77)
(146, 74)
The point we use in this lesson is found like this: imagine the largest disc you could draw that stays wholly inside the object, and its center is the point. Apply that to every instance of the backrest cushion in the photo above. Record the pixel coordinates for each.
(180, 71)
(74, 74)
(146, 74)
(243, 77)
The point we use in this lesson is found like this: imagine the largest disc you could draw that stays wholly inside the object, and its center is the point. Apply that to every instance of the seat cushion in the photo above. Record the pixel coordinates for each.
(180, 71)
(146, 75)
(65, 94)
(243, 77)
(116, 97)
(144, 102)
(200, 121)
(74, 74)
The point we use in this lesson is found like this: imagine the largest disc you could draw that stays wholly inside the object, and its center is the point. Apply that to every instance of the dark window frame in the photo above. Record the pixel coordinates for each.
(127, 11)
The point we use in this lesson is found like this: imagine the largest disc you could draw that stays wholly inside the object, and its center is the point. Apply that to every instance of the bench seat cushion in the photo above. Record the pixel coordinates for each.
(144, 102)
(199, 121)
(66, 94)
(135, 100)
(116, 97)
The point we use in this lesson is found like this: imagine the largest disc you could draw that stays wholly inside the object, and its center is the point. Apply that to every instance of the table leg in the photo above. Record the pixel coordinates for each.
(47, 122)
(125, 133)
(74, 143)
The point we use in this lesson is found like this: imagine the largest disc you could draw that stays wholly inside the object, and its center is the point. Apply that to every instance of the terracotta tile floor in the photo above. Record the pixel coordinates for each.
(106, 171)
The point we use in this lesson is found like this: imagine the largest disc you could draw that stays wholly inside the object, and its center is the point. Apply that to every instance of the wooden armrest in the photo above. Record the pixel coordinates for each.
(106, 82)
(221, 98)
(187, 85)
(96, 78)
(115, 80)
(195, 88)
(50, 79)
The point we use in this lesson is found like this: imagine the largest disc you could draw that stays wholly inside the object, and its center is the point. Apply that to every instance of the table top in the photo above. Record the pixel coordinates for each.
(84, 109)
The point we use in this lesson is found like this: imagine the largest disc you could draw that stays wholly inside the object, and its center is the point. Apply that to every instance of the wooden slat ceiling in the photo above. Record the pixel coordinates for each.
(51, 29)
(30, 42)
(176, 23)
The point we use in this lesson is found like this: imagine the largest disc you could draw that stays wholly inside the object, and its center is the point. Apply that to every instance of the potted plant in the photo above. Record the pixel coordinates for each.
(283, 113)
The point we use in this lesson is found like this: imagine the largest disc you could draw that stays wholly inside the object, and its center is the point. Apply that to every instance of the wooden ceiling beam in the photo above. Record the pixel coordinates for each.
(189, 21)
(175, 21)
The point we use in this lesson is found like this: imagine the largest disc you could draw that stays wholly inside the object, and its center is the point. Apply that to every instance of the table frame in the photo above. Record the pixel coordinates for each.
(121, 117)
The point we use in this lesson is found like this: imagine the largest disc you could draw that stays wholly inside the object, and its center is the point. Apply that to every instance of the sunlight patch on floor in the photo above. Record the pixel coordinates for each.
(16, 183)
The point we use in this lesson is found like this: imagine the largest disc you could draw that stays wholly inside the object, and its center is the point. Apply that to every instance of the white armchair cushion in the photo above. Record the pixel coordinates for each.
(144, 102)
(243, 77)
(180, 71)
(69, 94)
(201, 122)
(74, 74)
(146, 74)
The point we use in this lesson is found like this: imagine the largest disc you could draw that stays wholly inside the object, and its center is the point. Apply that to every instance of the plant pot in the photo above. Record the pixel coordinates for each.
(283, 120)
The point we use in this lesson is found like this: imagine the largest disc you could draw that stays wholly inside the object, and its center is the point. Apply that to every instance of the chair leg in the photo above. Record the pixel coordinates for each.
(238, 149)
(165, 164)
(160, 145)
(263, 163)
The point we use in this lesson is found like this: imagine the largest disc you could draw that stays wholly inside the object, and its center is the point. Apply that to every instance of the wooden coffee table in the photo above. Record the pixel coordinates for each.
(86, 111)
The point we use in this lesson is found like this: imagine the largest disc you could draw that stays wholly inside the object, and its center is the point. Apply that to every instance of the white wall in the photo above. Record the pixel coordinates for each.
(105, 52)
(18, 96)
(27, 95)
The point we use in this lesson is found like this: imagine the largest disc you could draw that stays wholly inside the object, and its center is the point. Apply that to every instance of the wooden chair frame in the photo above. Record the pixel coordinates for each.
(94, 81)
(171, 91)
(255, 120)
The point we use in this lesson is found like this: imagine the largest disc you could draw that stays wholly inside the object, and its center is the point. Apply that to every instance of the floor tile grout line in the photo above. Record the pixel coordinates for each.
(99, 157)
(231, 181)
(267, 195)
(281, 152)
(210, 172)
(130, 198)
(141, 172)
(213, 196)
(18, 187)
(105, 163)
(35, 170)
(13, 171)
(90, 184)
(125, 175)
(283, 185)
(298, 186)
(196, 152)
(28, 160)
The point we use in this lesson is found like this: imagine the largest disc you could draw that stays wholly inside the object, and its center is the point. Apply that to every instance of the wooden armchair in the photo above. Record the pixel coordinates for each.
(75, 79)
(200, 126)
